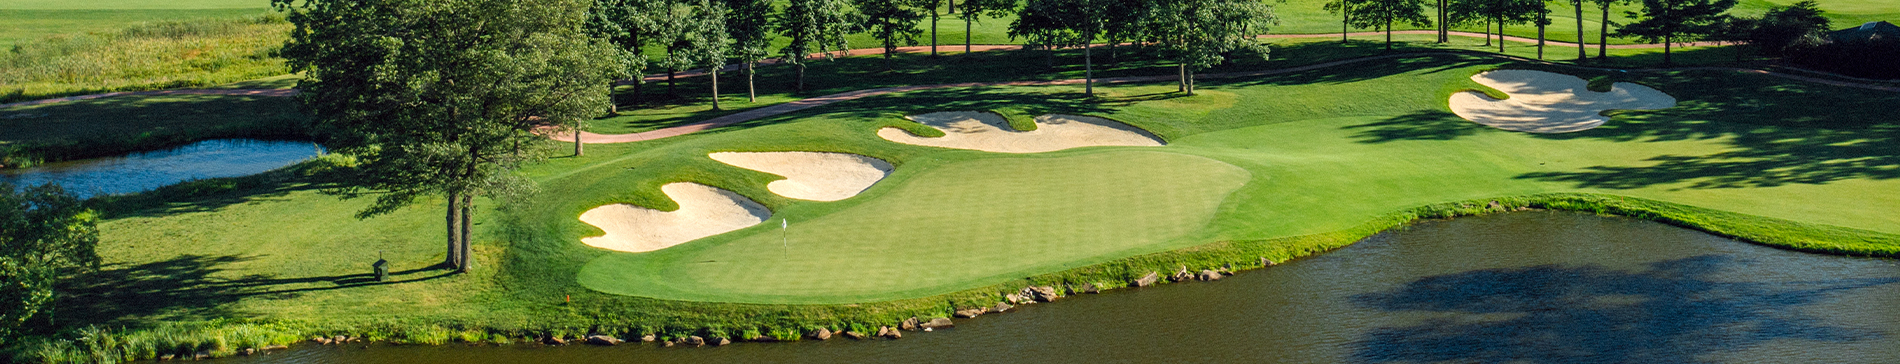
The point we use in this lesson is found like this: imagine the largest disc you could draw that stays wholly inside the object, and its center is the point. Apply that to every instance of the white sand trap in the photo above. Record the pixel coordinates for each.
(812, 175)
(704, 211)
(991, 133)
(1544, 102)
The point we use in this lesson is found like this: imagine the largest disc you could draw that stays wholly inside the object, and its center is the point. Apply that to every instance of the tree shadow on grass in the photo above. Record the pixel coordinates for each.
(1777, 132)
(1674, 312)
(190, 287)
(1417, 125)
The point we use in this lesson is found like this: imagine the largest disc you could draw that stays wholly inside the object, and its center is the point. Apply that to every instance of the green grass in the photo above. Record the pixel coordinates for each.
(119, 125)
(1328, 157)
(148, 56)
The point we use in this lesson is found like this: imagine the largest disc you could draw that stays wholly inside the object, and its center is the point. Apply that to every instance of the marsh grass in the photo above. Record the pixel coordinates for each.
(146, 56)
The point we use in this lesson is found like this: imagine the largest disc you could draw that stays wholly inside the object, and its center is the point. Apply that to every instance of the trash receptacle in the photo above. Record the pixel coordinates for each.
(382, 270)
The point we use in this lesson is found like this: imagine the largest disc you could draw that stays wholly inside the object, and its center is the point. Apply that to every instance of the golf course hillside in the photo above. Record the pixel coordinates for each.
(1258, 159)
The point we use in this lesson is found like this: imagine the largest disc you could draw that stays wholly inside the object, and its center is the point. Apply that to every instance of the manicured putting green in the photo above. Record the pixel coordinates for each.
(965, 223)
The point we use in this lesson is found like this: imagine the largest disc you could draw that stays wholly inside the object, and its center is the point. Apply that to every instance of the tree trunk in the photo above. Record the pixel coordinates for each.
(888, 48)
(953, 6)
(1049, 58)
(966, 36)
(1666, 45)
(453, 259)
(669, 82)
(1581, 54)
(1487, 34)
(1603, 37)
(1388, 34)
(933, 32)
(1181, 82)
(801, 77)
(468, 217)
(715, 87)
(1088, 70)
(1500, 34)
(638, 80)
(1444, 29)
(1190, 80)
(577, 140)
(1344, 18)
(751, 90)
(1540, 36)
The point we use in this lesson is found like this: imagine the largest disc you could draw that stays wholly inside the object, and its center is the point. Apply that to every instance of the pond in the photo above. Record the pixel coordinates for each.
(1530, 287)
(145, 171)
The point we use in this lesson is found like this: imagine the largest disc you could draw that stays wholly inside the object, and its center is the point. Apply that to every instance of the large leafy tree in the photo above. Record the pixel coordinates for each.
(813, 27)
(1385, 13)
(1670, 21)
(1197, 34)
(45, 232)
(975, 9)
(626, 24)
(707, 41)
(1498, 12)
(748, 23)
(440, 97)
(893, 23)
(1064, 23)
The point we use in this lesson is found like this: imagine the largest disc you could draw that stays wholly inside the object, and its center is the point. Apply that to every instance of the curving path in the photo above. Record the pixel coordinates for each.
(753, 114)
(230, 92)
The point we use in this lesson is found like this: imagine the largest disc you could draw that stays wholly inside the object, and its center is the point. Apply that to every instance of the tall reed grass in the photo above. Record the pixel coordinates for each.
(147, 56)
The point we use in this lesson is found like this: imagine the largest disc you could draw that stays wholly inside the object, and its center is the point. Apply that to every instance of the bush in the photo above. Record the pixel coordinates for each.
(1877, 59)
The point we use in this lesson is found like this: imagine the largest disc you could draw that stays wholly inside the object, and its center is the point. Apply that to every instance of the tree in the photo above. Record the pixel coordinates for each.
(707, 41)
(1197, 34)
(892, 22)
(1784, 28)
(1603, 34)
(1672, 20)
(972, 9)
(1064, 23)
(438, 97)
(1384, 13)
(1345, 9)
(934, 16)
(813, 26)
(627, 24)
(1542, 9)
(45, 233)
(1499, 12)
(1581, 46)
(747, 23)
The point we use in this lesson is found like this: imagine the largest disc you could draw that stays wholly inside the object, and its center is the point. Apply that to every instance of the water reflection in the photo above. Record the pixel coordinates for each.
(1533, 287)
(149, 170)
(1675, 311)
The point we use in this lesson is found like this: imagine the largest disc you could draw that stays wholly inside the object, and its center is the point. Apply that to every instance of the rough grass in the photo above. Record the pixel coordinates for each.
(119, 125)
(146, 56)
(1793, 165)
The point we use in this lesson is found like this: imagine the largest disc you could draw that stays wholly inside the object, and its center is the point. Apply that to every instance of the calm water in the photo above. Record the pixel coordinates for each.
(1535, 287)
(149, 170)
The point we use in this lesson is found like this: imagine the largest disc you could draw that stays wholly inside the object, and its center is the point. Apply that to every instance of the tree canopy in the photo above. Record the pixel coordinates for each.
(813, 26)
(1197, 34)
(440, 97)
(1670, 21)
(44, 232)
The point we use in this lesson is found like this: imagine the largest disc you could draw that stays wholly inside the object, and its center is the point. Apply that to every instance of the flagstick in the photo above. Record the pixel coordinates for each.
(785, 236)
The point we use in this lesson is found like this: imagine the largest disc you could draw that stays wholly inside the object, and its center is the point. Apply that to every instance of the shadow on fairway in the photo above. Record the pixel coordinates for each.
(1673, 312)
(193, 287)
(1779, 132)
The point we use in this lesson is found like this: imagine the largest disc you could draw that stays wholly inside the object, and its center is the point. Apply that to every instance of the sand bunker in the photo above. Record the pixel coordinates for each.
(991, 133)
(812, 175)
(1544, 102)
(704, 211)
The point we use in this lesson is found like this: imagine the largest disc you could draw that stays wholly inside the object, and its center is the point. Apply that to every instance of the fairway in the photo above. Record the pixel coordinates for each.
(967, 224)
(955, 226)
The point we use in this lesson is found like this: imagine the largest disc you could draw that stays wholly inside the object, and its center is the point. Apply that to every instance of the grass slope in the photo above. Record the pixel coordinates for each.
(1333, 155)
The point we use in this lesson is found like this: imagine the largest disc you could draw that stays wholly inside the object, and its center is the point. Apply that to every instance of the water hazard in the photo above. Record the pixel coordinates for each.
(1534, 287)
(149, 170)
